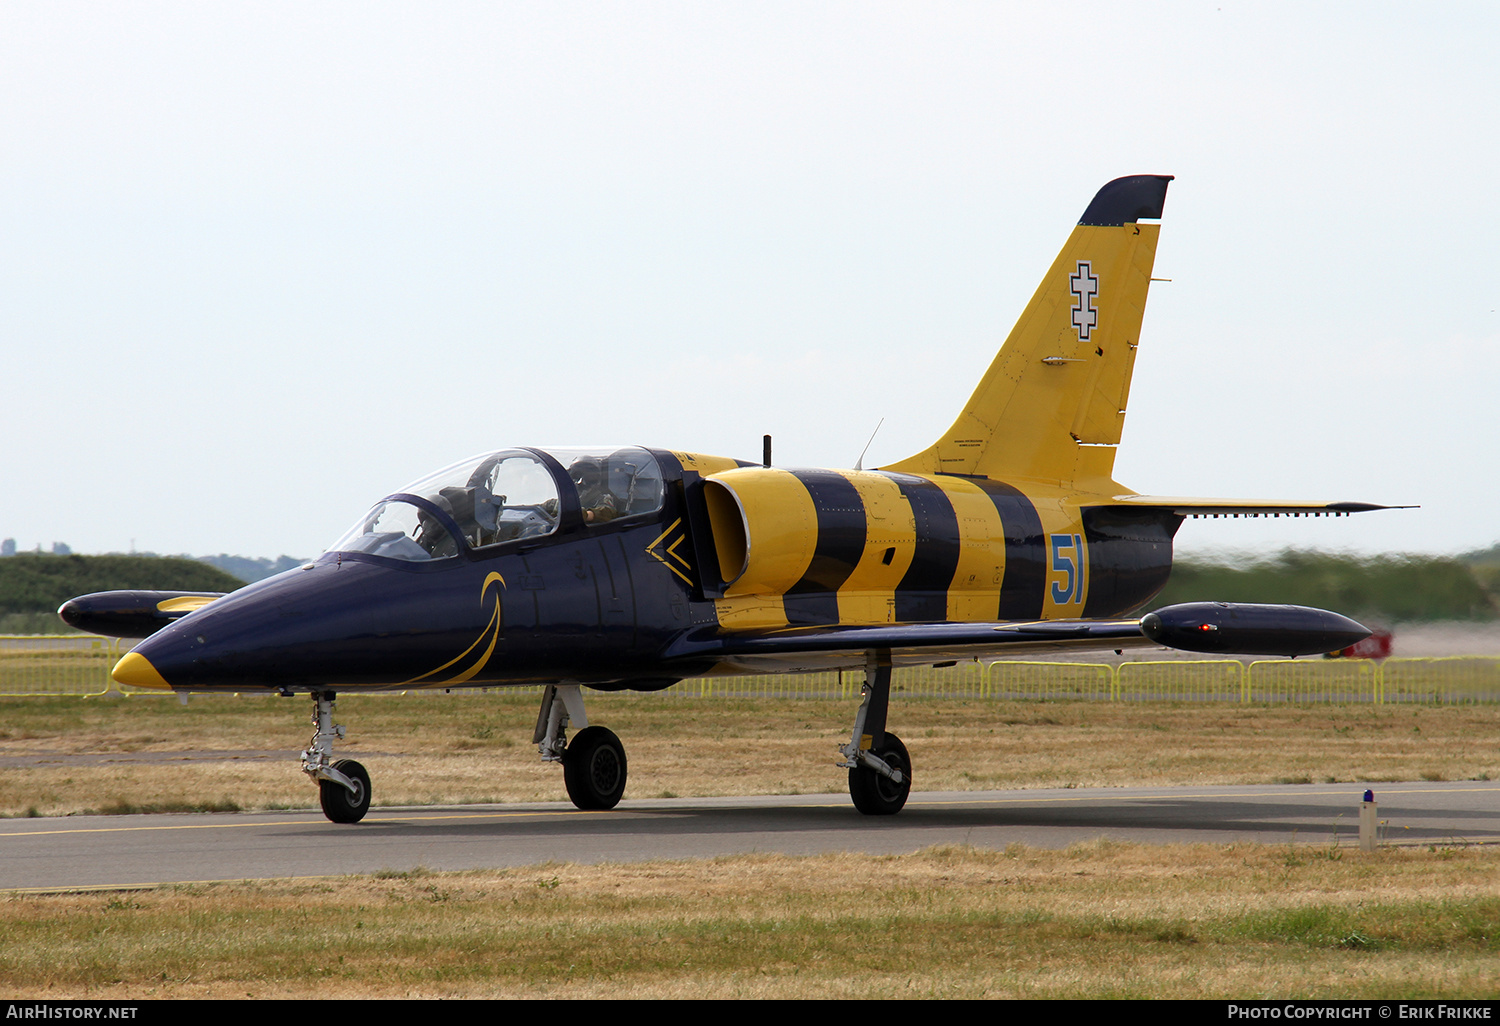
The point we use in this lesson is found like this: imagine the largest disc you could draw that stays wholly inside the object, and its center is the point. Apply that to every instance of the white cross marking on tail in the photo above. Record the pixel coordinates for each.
(1085, 287)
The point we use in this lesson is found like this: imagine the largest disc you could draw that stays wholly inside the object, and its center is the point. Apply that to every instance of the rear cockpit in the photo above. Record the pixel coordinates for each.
(508, 496)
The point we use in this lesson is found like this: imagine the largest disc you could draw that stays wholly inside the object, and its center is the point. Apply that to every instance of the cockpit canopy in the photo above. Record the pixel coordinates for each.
(506, 496)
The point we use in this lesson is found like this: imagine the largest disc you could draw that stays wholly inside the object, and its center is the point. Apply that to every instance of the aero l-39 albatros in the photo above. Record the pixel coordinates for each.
(634, 568)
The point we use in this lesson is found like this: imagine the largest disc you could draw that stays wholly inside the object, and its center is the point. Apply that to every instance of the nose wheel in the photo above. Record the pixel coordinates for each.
(343, 804)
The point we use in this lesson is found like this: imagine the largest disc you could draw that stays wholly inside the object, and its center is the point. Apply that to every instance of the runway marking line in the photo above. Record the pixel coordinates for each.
(296, 822)
(147, 886)
(915, 802)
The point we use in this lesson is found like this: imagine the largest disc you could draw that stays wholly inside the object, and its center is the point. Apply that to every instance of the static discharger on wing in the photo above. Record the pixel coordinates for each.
(630, 568)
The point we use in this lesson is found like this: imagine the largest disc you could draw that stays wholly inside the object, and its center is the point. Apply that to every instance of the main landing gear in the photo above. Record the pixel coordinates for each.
(594, 766)
(879, 768)
(343, 786)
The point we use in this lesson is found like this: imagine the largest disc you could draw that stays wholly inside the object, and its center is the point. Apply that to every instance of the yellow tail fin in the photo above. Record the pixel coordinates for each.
(1051, 406)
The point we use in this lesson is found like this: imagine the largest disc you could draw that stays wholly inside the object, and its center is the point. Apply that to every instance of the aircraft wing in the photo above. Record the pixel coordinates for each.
(1208, 627)
(806, 649)
(1197, 507)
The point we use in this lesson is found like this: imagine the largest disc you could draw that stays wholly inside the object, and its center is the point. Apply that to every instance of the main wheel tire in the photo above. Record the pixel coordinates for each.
(594, 769)
(339, 803)
(877, 795)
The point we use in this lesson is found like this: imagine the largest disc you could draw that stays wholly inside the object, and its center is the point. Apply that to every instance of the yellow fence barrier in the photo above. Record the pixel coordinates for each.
(73, 664)
(1308, 681)
(80, 665)
(1068, 681)
(1181, 680)
(1448, 680)
(967, 679)
(829, 684)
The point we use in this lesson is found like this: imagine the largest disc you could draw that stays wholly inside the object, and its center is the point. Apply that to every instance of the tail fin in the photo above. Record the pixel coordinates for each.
(1052, 404)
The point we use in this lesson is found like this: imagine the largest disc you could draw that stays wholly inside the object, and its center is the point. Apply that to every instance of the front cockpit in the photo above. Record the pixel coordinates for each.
(482, 503)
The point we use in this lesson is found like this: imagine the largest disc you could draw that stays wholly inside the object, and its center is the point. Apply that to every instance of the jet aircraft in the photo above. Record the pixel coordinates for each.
(627, 567)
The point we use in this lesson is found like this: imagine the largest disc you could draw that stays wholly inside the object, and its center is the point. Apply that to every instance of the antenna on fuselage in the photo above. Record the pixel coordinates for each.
(765, 450)
(859, 464)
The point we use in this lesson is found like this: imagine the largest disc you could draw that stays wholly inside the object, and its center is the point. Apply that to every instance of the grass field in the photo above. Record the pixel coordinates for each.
(1099, 920)
(68, 755)
(1096, 920)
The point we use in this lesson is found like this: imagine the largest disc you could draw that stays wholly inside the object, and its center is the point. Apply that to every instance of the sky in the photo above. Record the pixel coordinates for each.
(263, 263)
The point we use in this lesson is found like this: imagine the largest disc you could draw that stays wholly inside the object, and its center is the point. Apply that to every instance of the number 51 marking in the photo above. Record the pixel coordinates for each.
(1067, 559)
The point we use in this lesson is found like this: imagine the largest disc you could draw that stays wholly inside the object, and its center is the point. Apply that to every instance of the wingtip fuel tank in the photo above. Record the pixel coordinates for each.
(131, 614)
(1242, 628)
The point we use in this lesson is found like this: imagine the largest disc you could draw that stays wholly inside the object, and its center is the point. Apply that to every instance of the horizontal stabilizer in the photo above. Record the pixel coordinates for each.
(1196, 507)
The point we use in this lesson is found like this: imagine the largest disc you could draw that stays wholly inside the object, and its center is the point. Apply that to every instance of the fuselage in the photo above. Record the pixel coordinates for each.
(591, 574)
(633, 568)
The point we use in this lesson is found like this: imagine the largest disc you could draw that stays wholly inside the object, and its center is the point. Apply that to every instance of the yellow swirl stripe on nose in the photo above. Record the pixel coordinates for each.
(491, 631)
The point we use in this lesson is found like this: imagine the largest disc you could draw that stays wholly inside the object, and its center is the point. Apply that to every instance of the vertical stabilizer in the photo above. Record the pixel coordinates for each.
(1052, 404)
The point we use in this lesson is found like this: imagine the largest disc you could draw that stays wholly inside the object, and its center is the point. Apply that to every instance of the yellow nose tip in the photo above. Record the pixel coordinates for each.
(137, 672)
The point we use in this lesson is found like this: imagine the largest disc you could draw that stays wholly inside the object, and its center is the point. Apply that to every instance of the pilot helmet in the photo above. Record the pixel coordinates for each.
(586, 472)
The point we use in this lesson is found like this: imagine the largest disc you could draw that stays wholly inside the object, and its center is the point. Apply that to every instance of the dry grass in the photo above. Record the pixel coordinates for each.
(1096, 920)
(67, 755)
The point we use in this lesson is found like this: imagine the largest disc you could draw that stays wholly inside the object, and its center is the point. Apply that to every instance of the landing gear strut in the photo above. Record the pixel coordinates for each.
(879, 768)
(594, 765)
(343, 786)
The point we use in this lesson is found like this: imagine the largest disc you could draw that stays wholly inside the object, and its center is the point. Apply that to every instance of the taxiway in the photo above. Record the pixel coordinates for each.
(127, 851)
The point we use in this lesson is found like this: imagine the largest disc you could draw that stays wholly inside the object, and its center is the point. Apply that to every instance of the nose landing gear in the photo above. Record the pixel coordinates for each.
(343, 786)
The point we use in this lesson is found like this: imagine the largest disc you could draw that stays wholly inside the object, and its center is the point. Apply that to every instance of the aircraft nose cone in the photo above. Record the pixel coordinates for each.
(136, 671)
